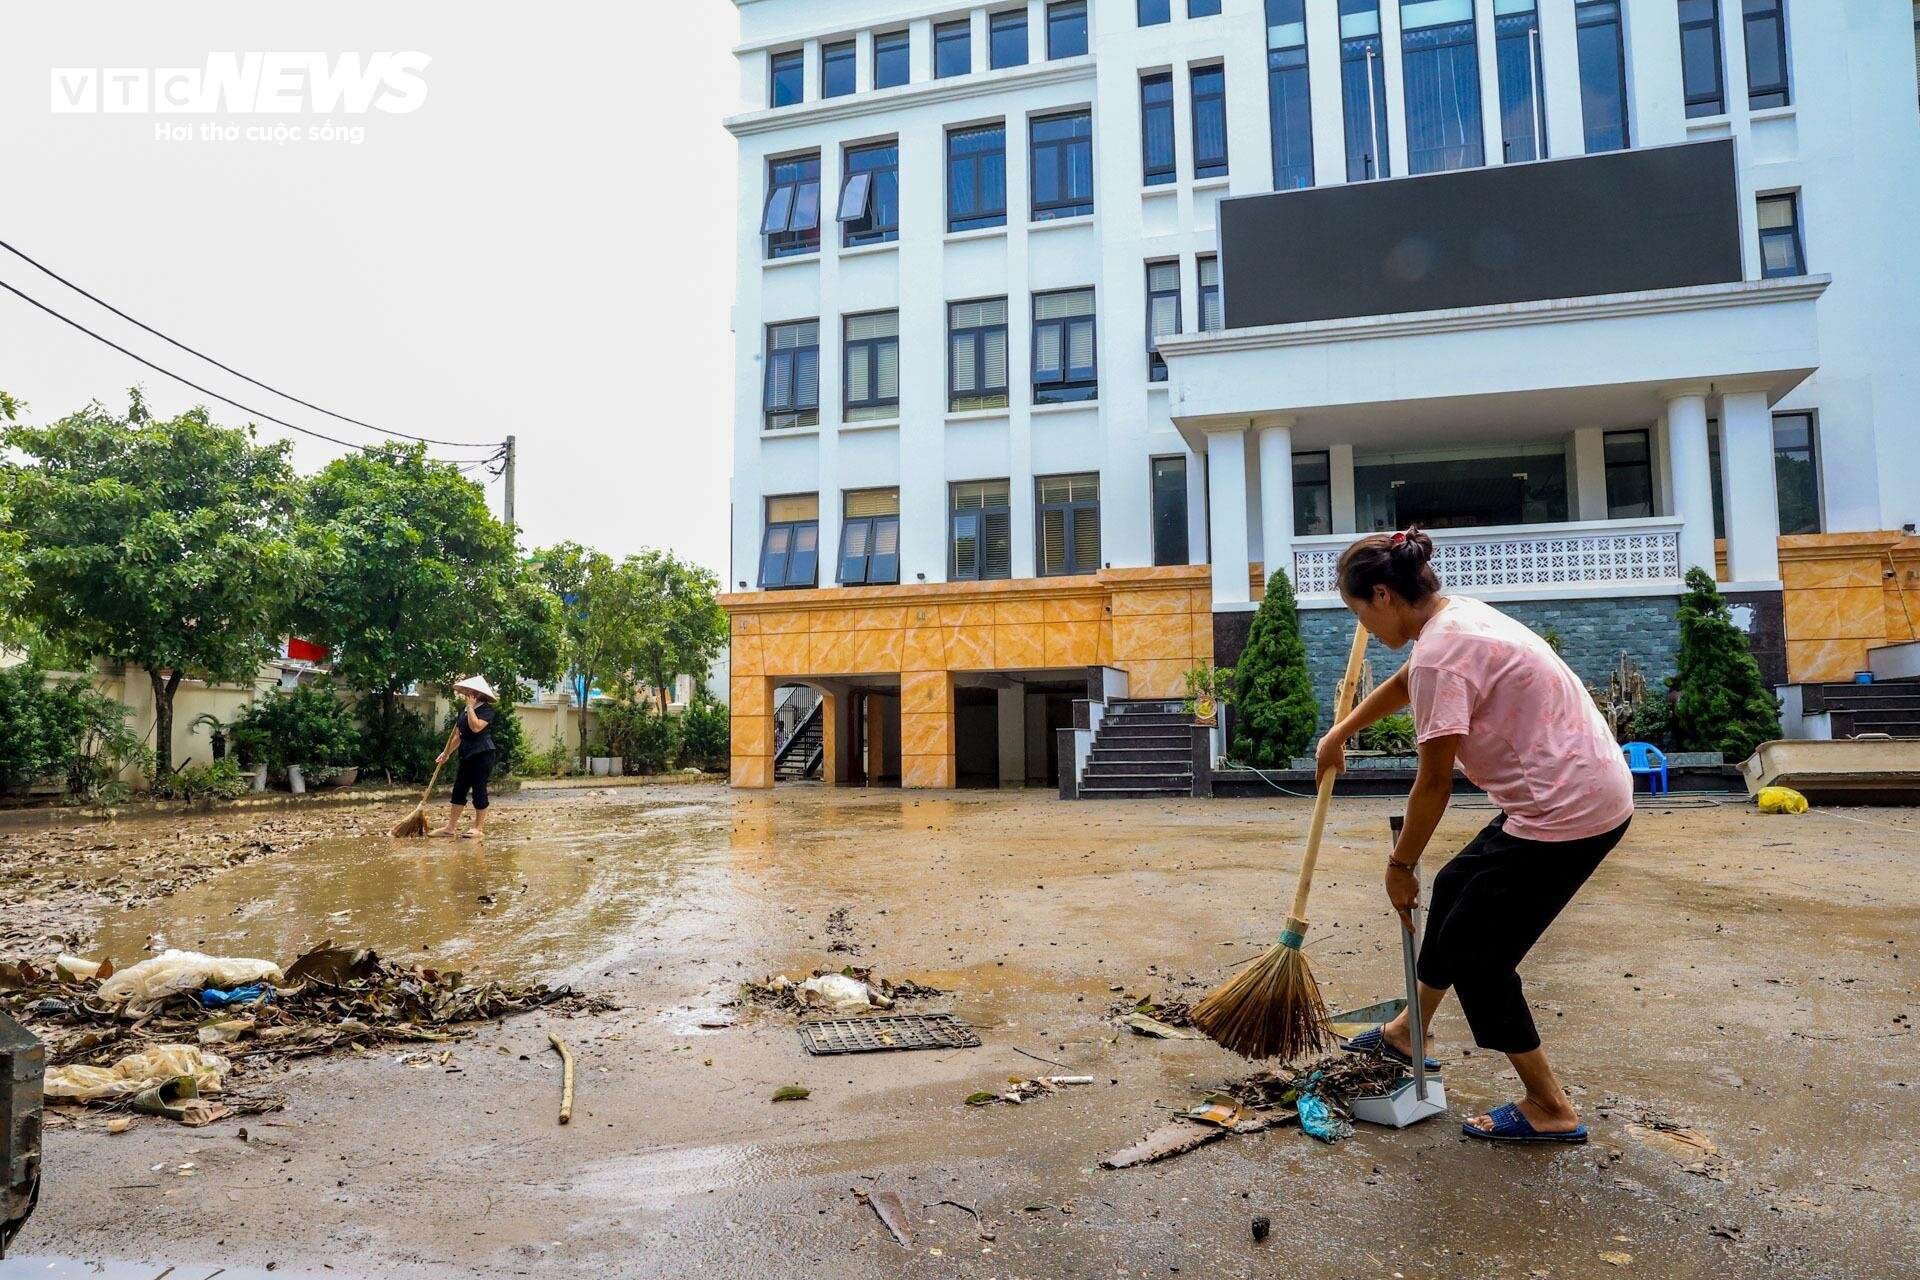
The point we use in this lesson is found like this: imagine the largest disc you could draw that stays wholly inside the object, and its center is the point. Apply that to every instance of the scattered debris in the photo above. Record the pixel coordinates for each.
(1261, 1226)
(886, 1033)
(892, 1213)
(835, 990)
(179, 1099)
(135, 1073)
(792, 1093)
(1143, 1025)
(979, 1223)
(1614, 1258)
(143, 986)
(1693, 1150)
(1219, 1110)
(1026, 1090)
(566, 1076)
(1177, 1138)
(1339, 1078)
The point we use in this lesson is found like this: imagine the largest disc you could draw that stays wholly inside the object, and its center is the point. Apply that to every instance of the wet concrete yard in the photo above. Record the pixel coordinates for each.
(1751, 978)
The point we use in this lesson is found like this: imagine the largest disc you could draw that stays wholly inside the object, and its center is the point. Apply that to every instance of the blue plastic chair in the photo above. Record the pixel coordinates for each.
(1645, 758)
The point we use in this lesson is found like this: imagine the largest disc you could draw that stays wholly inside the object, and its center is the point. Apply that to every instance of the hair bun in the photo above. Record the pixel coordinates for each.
(1413, 546)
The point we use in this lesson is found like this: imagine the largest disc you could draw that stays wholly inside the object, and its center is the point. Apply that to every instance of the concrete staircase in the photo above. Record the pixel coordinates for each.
(1891, 707)
(1142, 749)
(801, 755)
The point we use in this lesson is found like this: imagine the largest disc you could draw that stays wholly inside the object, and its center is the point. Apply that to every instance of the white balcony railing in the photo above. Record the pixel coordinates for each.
(1635, 554)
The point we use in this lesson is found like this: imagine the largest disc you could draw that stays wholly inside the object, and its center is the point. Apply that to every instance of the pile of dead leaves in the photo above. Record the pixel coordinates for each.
(1339, 1078)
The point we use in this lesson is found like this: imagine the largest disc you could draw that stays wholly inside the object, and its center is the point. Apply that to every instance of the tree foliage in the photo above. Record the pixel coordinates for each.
(600, 602)
(683, 627)
(703, 734)
(162, 542)
(1275, 712)
(308, 725)
(61, 731)
(1721, 702)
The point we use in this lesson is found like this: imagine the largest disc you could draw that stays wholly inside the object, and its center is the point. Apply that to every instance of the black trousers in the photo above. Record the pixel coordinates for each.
(1488, 907)
(474, 772)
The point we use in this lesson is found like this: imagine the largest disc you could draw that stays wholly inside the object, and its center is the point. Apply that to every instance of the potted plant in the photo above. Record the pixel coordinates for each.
(1208, 689)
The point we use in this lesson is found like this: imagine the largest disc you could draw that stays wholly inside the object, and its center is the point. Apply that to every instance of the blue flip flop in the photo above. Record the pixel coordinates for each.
(1374, 1042)
(1510, 1125)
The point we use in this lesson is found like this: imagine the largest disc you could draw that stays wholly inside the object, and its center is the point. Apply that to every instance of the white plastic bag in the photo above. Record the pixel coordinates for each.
(837, 992)
(137, 1072)
(156, 979)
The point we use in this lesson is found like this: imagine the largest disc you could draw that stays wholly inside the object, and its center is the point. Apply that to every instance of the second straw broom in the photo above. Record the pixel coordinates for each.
(1272, 1008)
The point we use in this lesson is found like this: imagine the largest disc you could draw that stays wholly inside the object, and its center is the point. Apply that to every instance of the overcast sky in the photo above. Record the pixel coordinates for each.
(542, 247)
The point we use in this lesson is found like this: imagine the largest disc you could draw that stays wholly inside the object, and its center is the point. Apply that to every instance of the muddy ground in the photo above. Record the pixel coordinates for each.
(1752, 978)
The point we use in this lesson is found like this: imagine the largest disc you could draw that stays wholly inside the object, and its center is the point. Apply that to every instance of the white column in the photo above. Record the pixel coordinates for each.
(1396, 87)
(1747, 487)
(1227, 506)
(1590, 474)
(1327, 120)
(1692, 476)
(1492, 130)
(1276, 498)
(1340, 485)
(1560, 79)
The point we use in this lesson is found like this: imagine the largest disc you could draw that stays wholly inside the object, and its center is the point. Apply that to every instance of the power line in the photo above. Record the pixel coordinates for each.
(452, 444)
(305, 431)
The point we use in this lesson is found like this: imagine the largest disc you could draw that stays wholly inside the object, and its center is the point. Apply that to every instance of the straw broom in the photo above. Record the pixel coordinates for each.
(415, 823)
(1272, 1008)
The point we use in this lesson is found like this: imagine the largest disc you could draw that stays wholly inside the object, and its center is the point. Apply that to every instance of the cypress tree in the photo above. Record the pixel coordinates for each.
(1275, 714)
(1722, 703)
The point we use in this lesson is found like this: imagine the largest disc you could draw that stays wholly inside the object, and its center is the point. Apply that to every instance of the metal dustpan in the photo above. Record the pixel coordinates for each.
(1417, 1095)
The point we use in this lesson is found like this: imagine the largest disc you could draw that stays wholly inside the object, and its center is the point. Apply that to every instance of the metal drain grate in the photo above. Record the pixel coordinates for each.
(881, 1035)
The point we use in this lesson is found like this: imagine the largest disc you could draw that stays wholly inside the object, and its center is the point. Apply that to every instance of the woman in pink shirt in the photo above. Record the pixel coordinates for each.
(1491, 696)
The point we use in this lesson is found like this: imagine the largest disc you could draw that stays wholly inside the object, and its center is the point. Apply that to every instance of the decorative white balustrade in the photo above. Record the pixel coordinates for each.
(1602, 554)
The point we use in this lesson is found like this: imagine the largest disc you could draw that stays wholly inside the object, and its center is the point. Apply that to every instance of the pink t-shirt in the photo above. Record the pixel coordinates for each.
(1534, 741)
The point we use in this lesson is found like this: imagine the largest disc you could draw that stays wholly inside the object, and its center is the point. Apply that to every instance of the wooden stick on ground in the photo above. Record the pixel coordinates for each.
(566, 1077)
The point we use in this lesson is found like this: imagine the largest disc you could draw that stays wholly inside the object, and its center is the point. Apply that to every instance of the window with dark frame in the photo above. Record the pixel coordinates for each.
(952, 48)
(1156, 129)
(980, 531)
(1629, 462)
(1312, 498)
(1211, 318)
(1209, 85)
(977, 177)
(1007, 39)
(1064, 347)
(1062, 165)
(790, 549)
(869, 210)
(869, 537)
(836, 69)
(1154, 12)
(1440, 65)
(1702, 68)
(1601, 49)
(792, 385)
(787, 78)
(1363, 90)
(1516, 44)
(1169, 486)
(870, 367)
(892, 64)
(1796, 475)
(1781, 253)
(977, 355)
(791, 220)
(1067, 515)
(1766, 32)
(1066, 29)
(1289, 110)
(1163, 313)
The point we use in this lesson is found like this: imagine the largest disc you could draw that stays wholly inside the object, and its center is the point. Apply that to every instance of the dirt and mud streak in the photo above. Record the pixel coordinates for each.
(1750, 979)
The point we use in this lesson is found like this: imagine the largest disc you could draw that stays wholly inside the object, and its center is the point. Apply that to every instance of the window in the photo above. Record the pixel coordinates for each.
(1066, 28)
(1461, 487)
(890, 62)
(952, 49)
(981, 531)
(977, 355)
(1163, 315)
(1203, 8)
(1062, 149)
(793, 374)
(790, 553)
(1170, 510)
(1603, 74)
(1007, 39)
(1796, 476)
(787, 76)
(870, 195)
(1154, 12)
(1210, 316)
(1766, 28)
(1210, 122)
(1156, 129)
(1063, 347)
(1363, 90)
(1289, 118)
(1701, 73)
(870, 367)
(1516, 31)
(870, 537)
(1442, 73)
(977, 177)
(1780, 253)
(836, 69)
(1068, 511)
(1629, 475)
(1312, 498)
(791, 221)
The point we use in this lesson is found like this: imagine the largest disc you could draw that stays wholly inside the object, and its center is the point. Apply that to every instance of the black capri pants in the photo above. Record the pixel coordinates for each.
(472, 776)
(1488, 907)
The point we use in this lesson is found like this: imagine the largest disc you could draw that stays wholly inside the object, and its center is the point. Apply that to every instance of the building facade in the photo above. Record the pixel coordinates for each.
(1060, 325)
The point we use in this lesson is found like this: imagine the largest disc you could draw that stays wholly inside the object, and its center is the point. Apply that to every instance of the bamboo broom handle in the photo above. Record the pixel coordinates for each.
(436, 770)
(1342, 703)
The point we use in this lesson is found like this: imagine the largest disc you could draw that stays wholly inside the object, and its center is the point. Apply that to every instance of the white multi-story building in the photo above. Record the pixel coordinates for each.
(1062, 324)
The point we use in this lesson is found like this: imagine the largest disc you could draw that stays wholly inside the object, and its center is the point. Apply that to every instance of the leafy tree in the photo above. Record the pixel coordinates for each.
(602, 603)
(684, 628)
(307, 725)
(638, 734)
(1273, 692)
(419, 584)
(162, 542)
(703, 733)
(62, 729)
(1721, 704)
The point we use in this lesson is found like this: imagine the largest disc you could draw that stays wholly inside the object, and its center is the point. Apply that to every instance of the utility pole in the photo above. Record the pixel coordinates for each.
(512, 457)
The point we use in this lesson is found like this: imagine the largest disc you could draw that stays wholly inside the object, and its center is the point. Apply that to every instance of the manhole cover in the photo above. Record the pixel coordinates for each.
(894, 1031)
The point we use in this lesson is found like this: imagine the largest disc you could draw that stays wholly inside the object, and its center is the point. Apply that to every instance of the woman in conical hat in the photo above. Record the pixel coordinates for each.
(477, 755)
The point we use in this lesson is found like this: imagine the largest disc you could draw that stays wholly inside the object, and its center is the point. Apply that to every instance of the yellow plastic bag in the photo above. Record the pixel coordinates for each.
(1781, 800)
(136, 1072)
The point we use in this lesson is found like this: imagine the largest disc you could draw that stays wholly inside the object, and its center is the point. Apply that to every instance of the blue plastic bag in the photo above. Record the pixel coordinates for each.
(214, 998)
(1318, 1120)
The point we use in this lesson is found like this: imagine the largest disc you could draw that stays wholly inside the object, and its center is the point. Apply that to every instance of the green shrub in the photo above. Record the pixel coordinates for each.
(556, 761)
(1721, 704)
(703, 734)
(1392, 734)
(65, 732)
(1653, 720)
(306, 725)
(400, 747)
(1273, 695)
(509, 738)
(637, 733)
(219, 780)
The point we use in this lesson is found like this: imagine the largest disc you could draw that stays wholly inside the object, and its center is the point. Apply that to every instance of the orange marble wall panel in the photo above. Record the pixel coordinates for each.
(925, 734)
(838, 619)
(1137, 636)
(1854, 571)
(971, 613)
(752, 736)
(1073, 609)
(1150, 600)
(1071, 644)
(880, 618)
(1019, 646)
(752, 771)
(829, 739)
(829, 653)
(926, 773)
(746, 624)
(749, 696)
(922, 692)
(969, 648)
(1812, 660)
(1156, 678)
(1901, 616)
(923, 649)
(1202, 641)
(787, 654)
(785, 622)
(1008, 613)
(748, 657)
(878, 650)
